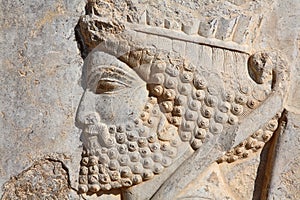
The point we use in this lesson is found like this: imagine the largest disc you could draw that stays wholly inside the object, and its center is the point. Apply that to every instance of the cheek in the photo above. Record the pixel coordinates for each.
(120, 107)
(103, 104)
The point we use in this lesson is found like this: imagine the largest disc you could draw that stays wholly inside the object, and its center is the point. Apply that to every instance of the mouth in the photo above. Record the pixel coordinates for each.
(91, 130)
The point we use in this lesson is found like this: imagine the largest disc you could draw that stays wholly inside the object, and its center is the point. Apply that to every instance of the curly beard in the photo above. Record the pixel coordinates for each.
(123, 155)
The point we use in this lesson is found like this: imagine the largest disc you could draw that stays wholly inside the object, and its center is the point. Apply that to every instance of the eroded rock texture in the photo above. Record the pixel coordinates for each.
(46, 179)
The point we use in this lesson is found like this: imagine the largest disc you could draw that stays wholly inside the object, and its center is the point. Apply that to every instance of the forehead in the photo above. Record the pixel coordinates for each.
(98, 58)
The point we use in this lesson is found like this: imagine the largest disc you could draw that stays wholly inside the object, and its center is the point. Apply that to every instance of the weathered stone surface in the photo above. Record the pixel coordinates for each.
(46, 179)
(240, 176)
(224, 181)
(163, 100)
(285, 181)
(40, 84)
(209, 185)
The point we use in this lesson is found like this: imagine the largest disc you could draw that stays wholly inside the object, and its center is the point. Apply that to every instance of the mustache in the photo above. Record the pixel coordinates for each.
(96, 135)
(92, 129)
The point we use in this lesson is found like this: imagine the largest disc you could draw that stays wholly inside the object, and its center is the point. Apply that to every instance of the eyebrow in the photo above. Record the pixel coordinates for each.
(111, 72)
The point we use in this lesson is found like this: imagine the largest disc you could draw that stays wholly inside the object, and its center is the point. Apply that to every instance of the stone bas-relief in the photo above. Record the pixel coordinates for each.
(181, 100)
(126, 145)
(121, 147)
(146, 109)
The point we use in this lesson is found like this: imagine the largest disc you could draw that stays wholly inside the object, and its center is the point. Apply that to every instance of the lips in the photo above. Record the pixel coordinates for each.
(91, 130)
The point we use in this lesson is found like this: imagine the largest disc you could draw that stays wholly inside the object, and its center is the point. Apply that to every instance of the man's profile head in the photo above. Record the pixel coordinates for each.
(126, 137)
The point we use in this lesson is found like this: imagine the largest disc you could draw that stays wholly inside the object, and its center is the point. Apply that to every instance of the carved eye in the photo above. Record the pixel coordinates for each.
(109, 86)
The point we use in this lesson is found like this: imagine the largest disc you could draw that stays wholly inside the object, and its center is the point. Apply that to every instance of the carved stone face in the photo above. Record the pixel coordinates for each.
(114, 93)
(120, 127)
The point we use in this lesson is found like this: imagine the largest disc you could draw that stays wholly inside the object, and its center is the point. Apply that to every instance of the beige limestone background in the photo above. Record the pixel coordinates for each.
(40, 90)
(40, 74)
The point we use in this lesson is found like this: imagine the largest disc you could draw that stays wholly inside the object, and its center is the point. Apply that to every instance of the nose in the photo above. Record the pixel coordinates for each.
(86, 113)
(91, 119)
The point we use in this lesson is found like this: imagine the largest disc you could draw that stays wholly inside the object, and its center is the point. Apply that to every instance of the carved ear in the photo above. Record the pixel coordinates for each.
(259, 68)
(269, 67)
